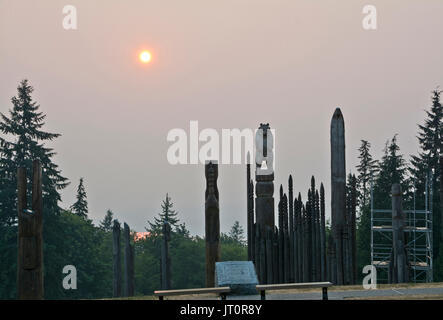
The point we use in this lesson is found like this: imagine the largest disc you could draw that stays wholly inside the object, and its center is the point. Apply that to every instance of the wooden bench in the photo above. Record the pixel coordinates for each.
(222, 291)
(324, 285)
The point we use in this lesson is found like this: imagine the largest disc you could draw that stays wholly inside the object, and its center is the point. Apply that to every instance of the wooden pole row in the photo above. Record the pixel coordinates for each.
(301, 251)
(128, 263)
(295, 251)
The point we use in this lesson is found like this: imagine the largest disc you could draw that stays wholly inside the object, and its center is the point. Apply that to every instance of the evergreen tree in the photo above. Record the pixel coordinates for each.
(430, 138)
(392, 169)
(237, 234)
(367, 169)
(167, 215)
(24, 126)
(22, 141)
(106, 223)
(8, 186)
(80, 207)
(350, 184)
(182, 231)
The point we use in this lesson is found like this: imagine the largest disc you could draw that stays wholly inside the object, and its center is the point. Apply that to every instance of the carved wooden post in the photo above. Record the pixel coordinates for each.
(317, 237)
(264, 188)
(275, 266)
(306, 242)
(441, 194)
(338, 190)
(263, 274)
(251, 215)
(116, 259)
(353, 229)
(166, 259)
(295, 240)
(269, 260)
(212, 222)
(286, 254)
(300, 240)
(292, 258)
(310, 211)
(257, 250)
(332, 266)
(400, 258)
(281, 261)
(323, 234)
(30, 236)
(128, 263)
(313, 229)
(249, 212)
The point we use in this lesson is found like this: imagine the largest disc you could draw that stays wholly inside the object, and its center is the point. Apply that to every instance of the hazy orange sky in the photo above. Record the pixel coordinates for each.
(227, 64)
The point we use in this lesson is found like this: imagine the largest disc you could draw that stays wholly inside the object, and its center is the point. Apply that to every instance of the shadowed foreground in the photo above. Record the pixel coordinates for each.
(431, 291)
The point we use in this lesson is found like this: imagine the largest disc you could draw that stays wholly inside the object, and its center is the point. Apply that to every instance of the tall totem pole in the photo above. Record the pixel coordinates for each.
(116, 258)
(264, 207)
(399, 266)
(166, 259)
(212, 222)
(264, 177)
(250, 209)
(128, 263)
(30, 239)
(338, 192)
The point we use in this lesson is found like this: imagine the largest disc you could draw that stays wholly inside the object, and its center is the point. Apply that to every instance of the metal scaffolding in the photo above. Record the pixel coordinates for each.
(418, 233)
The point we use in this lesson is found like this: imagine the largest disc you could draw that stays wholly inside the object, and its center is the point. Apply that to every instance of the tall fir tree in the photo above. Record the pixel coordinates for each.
(167, 215)
(367, 170)
(430, 138)
(24, 126)
(182, 231)
(237, 233)
(24, 140)
(80, 207)
(106, 223)
(392, 169)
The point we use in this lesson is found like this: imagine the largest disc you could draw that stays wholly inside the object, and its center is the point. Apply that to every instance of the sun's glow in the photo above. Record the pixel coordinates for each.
(145, 56)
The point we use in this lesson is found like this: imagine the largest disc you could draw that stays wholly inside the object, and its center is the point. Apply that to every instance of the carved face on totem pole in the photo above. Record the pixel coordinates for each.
(211, 174)
(212, 226)
(264, 146)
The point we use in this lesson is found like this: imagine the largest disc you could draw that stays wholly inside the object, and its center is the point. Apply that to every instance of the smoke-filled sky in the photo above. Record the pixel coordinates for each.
(227, 64)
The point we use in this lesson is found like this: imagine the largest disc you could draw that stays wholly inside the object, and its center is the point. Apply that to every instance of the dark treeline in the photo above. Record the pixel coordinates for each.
(394, 167)
(70, 237)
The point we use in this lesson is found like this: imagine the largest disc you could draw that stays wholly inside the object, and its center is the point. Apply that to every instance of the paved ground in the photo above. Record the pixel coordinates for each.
(399, 293)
